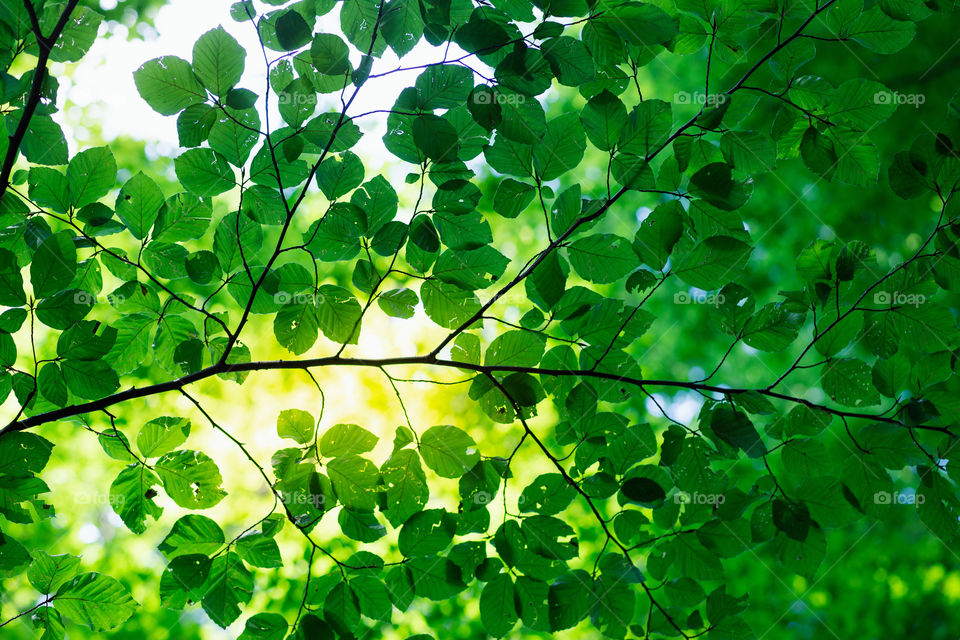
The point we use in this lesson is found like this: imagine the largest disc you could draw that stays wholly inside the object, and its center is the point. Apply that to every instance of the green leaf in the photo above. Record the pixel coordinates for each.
(570, 60)
(204, 172)
(194, 124)
(548, 495)
(448, 451)
(644, 491)
(227, 587)
(44, 142)
(202, 267)
(51, 384)
(485, 108)
(774, 327)
(849, 382)
(361, 526)
(436, 579)
(426, 533)
(647, 128)
(338, 314)
(234, 134)
(133, 342)
(259, 550)
(444, 86)
(296, 327)
(313, 627)
(91, 174)
(162, 435)
(880, 33)
(792, 519)
(63, 310)
(447, 304)
(341, 609)
(138, 204)
(355, 480)
(515, 348)
(78, 34)
(192, 534)
(184, 217)
(49, 188)
(132, 497)
(190, 478)
(336, 236)
(8, 355)
(47, 573)
(296, 102)
(54, 264)
(218, 61)
(435, 137)
(236, 239)
(265, 626)
(345, 440)
(296, 424)
(561, 148)
(89, 379)
(749, 151)
(658, 234)
(11, 282)
(96, 600)
(713, 262)
(498, 609)
(183, 579)
(339, 175)
(357, 20)
(471, 269)
(641, 23)
(603, 118)
(735, 428)
(524, 70)
(715, 184)
(116, 445)
(240, 98)
(602, 257)
(546, 284)
(398, 303)
(292, 30)
(406, 486)
(402, 26)
(330, 55)
(378, 200)
(168, 85)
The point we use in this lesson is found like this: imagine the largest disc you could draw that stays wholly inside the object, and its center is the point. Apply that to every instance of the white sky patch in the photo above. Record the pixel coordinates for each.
(683, 408)
(89, 533)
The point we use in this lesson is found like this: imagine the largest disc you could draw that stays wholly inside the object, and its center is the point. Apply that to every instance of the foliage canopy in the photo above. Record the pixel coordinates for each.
(583, 177)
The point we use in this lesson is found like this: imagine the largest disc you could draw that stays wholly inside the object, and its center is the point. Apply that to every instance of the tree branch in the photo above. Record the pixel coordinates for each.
(427, 360)
(45, 46)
